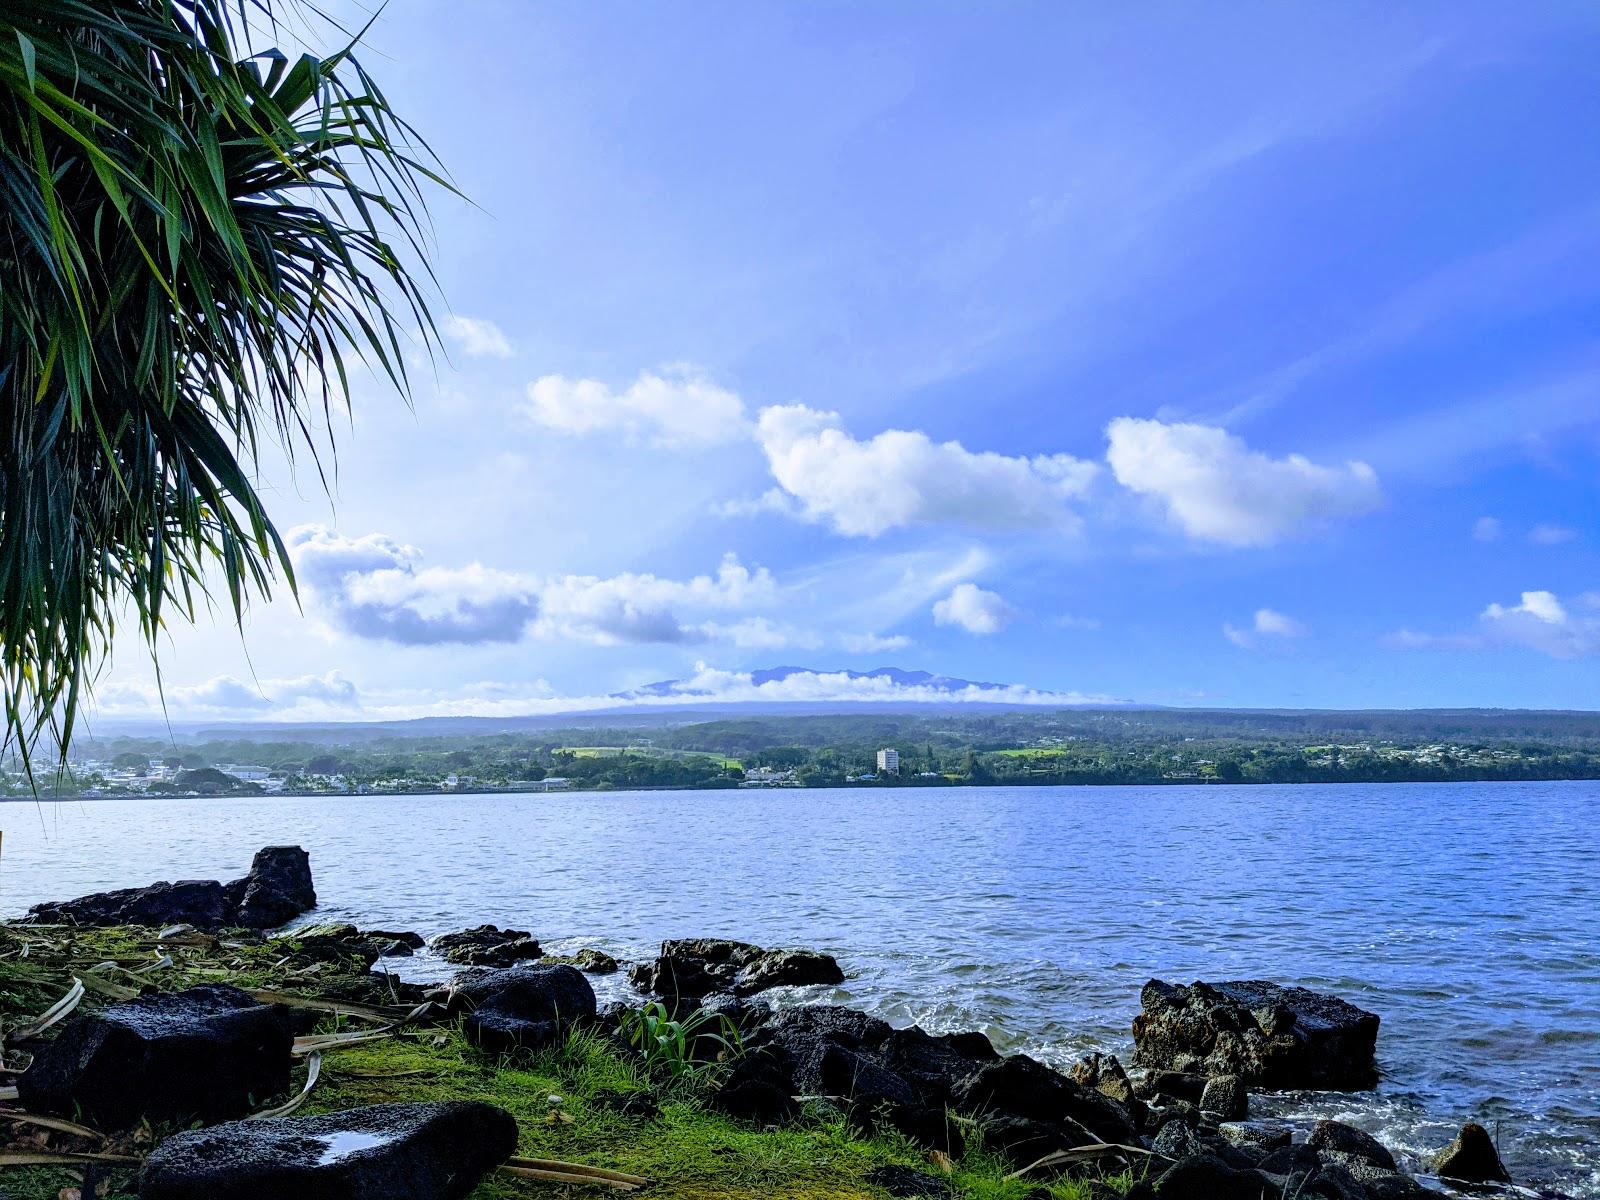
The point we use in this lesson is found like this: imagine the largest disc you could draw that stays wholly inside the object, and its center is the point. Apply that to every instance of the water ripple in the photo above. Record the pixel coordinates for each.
(1463, 914)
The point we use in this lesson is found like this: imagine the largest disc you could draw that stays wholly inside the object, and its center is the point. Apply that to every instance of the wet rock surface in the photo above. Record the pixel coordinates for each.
(486, 946)
(210, 1052)
(1267, 1035)
(688, 969)
(589, 961)
(394, 1151)
(1471, 1158)
(277, 889)
(1345, 1143)
(525, 1006)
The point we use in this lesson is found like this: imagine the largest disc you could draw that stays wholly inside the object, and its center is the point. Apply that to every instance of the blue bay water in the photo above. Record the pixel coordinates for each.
(1465, 915)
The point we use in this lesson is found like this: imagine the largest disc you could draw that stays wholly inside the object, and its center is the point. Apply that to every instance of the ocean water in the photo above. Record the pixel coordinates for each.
(1467, 916)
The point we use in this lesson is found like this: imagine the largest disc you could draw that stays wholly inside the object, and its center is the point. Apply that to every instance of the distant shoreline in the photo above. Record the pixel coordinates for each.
(933, 785)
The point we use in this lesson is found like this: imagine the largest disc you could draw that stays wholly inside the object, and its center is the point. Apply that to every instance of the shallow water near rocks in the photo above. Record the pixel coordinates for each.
(1463, 914)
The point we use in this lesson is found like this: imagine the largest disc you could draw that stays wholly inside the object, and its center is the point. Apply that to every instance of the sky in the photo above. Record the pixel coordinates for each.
(1235, 355)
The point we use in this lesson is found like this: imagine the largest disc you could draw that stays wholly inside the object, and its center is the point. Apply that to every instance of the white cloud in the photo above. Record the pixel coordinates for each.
(872, 643)
(1487, 529)
(677, 406)
(1542, 622)
(477, 337)
(645, 608)
(1551, 535)
(1218, 489)
(773, 500)
(970, 607)
(1267, 623)
(903, 477)
(228, 697)
(374, 587)
(1539, 621)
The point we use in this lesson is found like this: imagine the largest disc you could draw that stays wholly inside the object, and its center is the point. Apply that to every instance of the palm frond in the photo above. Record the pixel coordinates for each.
(195, 242)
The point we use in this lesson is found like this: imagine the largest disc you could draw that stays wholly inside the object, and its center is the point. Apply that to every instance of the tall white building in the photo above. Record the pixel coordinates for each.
(888, 762)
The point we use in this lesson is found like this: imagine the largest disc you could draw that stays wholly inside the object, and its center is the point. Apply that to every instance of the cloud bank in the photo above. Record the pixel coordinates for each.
(376, 588)
(329, 696)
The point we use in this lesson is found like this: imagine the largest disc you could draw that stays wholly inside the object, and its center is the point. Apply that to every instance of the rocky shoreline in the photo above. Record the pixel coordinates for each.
(1175, 1123)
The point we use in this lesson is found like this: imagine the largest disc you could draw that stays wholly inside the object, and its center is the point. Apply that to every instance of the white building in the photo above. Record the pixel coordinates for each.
(246, 773)
(889, 762)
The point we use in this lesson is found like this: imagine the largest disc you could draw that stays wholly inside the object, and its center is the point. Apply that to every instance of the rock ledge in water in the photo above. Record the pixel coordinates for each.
(1270, 1036)
(486, 946)
(210, 1052)
(689, 969)
(394, 1151)
(277, 889)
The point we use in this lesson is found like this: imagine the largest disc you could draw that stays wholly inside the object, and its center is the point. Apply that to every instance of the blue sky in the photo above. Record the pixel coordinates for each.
(1222, 355)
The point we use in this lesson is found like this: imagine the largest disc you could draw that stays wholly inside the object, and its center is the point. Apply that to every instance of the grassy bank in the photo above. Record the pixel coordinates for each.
(689, 1151)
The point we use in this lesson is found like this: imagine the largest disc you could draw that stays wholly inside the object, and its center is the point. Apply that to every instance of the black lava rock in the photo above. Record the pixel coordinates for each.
(1206, 1178)
(1471, 1158)
(487, 946)
(1347, 1142)
(1225, 1098)
(210, 1052)
(277, 889)
(907, 1184)
(688, 969)
(1269, 1036)
(523, 1006)
(394, 1151)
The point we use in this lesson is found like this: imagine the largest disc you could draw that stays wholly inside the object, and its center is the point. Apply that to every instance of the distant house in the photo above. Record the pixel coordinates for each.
(768, 777)
(888, 762)
(550, 783)
(245, 773)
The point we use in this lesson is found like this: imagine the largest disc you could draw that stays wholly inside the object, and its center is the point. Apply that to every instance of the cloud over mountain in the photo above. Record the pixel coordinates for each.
(335, 699)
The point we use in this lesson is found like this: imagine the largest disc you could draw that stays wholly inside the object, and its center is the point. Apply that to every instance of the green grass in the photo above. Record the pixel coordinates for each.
(689, 1151)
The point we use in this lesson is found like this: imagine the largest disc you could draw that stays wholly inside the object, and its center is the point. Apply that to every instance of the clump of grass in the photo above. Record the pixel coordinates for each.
(678, 1047)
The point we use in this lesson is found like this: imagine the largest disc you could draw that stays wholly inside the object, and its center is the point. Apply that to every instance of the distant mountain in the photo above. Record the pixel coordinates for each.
(712, 695)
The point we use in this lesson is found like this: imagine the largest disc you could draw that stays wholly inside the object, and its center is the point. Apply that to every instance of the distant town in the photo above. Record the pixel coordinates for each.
(844, 750)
